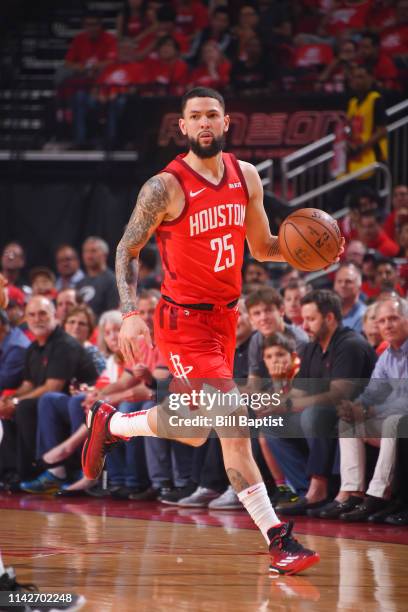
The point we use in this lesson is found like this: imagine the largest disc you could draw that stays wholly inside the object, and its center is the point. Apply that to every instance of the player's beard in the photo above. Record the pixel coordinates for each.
(217, 145)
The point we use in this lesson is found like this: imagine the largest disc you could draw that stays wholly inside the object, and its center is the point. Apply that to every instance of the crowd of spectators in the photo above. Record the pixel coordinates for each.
(336, 350)
(240, 48)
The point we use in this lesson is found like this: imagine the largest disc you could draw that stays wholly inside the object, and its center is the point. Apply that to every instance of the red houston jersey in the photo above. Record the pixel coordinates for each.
(202, 250)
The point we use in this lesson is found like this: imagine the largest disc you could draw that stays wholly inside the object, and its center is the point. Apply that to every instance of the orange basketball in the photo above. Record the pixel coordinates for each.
(309, 239)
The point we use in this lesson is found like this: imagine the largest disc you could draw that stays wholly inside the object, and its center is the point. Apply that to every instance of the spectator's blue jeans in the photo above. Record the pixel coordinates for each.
(319, 427)
(126, 463)
(168, 460)
(59, 415)
(83, 102)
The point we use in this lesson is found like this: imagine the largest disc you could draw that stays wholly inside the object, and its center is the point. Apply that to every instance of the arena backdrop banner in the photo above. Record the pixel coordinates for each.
(261, 128)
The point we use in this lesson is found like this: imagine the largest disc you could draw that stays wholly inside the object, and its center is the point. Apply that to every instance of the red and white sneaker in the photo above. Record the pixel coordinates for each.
(288, 556)
(99, 440)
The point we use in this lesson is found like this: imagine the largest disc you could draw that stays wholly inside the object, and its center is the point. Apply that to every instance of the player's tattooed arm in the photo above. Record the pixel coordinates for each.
(150, 209)
(237, 481)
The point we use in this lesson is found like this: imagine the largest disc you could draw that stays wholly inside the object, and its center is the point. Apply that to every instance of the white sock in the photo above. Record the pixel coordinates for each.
(2, 568)
(131, 424)
(256, 501)
(58, 471)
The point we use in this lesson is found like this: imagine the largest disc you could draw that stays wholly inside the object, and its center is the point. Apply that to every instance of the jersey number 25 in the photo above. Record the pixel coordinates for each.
(225, 252)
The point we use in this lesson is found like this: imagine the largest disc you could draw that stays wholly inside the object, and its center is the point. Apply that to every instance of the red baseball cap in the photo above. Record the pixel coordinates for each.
(16, 296)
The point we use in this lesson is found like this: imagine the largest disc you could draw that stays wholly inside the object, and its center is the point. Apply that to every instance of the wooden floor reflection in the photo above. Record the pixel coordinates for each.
(122, 565)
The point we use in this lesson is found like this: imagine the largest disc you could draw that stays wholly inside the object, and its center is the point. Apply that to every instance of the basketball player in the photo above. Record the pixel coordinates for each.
(202, 206)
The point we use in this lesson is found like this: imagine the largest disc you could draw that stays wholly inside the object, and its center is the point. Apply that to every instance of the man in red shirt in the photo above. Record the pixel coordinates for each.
(373, 236)
(385, 279)
(91, 50)
(201, 207)
(381, 65)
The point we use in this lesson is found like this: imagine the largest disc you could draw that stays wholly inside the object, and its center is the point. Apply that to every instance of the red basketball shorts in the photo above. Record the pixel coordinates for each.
(197, 344)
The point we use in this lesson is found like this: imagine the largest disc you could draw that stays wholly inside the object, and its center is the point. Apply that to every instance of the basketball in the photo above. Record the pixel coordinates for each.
(309, 239)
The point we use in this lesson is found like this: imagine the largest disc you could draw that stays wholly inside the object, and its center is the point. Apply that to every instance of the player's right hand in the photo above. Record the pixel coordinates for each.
(133, 328)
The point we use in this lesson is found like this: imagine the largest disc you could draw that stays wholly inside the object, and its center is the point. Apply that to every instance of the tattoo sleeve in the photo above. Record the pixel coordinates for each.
(237, 480)
(274, 250)
(151, 202)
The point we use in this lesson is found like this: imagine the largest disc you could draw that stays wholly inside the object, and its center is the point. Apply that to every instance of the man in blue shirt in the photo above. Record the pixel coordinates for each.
(347, 285)
(377, 411)
(13, 345)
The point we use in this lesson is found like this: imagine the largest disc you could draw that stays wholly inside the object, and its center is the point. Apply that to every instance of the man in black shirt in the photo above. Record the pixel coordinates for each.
(336, 364)
(98, 288)
(52, 360)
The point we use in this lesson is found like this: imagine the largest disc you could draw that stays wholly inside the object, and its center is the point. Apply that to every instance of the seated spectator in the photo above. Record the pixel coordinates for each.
(292, 296)
(336, 76)
(218, 30)
(13, 346)
(334, 366)
(374, 237)
(165, 24)
(399, 211)
(245, 30)
(354, 253)
(362, 200)
(380, 63)
(61, 418)
(15, 307)
(377, 410)
(79, 322)
(51, 361)
(252, 73)
(98, 287)
(191, 16)
(131, 19)
(147, 274)
(282, 364)
(213, 69)
(371, 331)
(13, 262)
(43, 282)
(265, 310)
(89, 53)
(167, 72)
(65, 301)
(385, 278)
(256, 272)
(68, 267)
(347, 285)
(108, 97)
(402, 238)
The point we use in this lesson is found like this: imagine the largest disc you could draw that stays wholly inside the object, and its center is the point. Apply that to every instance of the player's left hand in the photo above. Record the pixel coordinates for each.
(339, 254)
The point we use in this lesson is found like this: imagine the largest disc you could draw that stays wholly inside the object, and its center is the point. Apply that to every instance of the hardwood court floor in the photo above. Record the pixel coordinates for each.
(124, 564)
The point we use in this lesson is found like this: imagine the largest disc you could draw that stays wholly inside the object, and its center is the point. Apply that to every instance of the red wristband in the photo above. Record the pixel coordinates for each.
(125, 315)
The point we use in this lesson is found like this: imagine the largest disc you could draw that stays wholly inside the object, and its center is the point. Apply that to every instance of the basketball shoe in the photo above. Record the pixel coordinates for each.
(99, 440)
(288, 556)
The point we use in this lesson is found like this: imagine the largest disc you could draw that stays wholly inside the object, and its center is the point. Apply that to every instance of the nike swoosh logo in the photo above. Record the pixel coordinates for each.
(195, 193)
